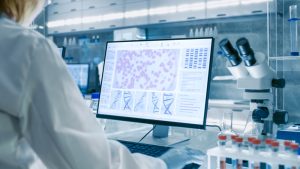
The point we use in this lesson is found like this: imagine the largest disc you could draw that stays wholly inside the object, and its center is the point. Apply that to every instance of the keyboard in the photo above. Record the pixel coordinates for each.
(147, 149)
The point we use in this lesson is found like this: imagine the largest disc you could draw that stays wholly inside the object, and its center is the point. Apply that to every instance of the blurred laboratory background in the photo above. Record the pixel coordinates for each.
(83, 27)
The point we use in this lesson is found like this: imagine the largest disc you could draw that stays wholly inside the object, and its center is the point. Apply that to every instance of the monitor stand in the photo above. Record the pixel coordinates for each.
(161, 136)
(160, 131)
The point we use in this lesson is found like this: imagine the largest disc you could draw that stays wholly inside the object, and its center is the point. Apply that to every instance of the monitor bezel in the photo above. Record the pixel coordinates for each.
(88, 77)
(162, 122)
(63, 54)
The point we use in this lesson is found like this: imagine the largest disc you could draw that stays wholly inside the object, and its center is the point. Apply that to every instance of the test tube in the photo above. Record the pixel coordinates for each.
(255, 150)
(222, 143)
(237, 145)
(294, 148)
(269, 148)
(293, 30)
(274, 146)
(233, 137)
(233, 146)
(268, 143)
(287, 147)
(294, 151)
(250, 141)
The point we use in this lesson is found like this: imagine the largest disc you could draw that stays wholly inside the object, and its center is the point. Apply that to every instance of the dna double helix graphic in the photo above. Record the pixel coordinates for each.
(139, 106)
(155, 100)
(168, 100)
(116, 100)
(127, 98)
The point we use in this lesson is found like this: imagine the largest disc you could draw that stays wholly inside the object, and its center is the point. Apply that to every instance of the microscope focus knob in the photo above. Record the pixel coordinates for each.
(280, 117)
(259, 114)
(278, 83)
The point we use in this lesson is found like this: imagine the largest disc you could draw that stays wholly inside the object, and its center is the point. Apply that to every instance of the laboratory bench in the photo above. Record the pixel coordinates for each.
(178, 137)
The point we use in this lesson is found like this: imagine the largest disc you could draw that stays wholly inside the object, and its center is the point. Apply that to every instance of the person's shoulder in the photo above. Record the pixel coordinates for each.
(20, 34)
(32, 37)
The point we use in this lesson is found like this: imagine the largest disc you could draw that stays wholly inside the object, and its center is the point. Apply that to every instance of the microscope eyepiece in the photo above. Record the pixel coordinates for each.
(246, 52)
(229, 52)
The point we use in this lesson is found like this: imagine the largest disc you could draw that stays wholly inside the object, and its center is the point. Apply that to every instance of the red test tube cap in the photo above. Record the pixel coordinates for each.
(287, 143)
(222, 137)
(239, 139)
(294, 146)
(256, 141)
(250, 139)
(269, 141)
(233, 137)
(275, 144)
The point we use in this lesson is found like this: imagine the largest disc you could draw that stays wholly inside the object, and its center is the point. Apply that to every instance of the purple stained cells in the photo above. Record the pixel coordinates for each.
(131, 84)
(147, 78)
(170, 64)
(150, 65)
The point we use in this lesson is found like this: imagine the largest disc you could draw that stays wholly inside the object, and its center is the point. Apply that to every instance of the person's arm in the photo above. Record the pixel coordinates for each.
(60, 127)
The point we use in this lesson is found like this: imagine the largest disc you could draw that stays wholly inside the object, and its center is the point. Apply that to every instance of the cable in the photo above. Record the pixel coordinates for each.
(216, 126)
(147, 134)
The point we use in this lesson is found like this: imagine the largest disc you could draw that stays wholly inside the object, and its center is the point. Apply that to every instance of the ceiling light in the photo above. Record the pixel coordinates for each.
(91, 19)
(162, 10)
(190, 7)
(73, 21)
(113, 16)
(245, 2)
(137, 13)
(58, 23)
(222, 4)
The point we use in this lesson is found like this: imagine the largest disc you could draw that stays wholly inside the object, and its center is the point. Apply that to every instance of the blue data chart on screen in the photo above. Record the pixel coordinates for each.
(161, 80)
(80, 74)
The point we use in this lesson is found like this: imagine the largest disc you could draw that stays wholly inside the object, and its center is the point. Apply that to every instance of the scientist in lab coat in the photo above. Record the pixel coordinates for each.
(42, 106)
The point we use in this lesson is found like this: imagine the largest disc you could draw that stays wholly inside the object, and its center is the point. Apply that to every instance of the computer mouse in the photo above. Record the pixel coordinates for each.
(192, 166)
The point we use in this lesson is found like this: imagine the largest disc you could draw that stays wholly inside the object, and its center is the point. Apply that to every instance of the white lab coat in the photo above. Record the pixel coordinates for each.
(41, 104)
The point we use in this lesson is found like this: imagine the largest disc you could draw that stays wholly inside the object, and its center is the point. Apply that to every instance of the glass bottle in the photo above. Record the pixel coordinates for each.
(294, 30)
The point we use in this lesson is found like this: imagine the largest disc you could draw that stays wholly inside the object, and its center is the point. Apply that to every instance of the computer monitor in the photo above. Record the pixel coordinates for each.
(164, 82)
(62, 51)
(80, 74)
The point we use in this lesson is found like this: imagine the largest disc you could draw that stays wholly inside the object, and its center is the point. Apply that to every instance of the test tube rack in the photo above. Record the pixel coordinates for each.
(263, 157)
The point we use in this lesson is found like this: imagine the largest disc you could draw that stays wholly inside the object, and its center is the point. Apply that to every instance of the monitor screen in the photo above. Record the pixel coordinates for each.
(80, 74)
(159, 81)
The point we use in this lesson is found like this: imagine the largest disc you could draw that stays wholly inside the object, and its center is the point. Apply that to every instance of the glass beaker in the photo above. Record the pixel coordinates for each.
(251, 128)
(227, 123)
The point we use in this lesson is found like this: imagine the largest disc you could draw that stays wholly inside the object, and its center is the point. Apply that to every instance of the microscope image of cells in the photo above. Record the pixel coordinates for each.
(116, 99)
(154, 102)
(147, 69)
(168, 103)
(127, 101)
(140, 101)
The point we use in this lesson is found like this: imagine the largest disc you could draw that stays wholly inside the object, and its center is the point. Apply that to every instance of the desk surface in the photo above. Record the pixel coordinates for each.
(198, 139)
